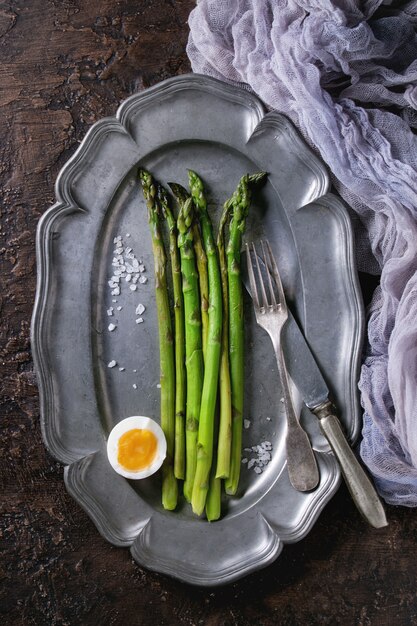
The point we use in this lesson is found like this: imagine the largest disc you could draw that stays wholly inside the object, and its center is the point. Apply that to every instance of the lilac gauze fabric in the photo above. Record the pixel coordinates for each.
(345, 73)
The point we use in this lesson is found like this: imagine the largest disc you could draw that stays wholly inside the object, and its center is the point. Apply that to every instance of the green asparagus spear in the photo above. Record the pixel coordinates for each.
(181, 195)
(214, 497)
(203, 281)
(240, 203)
(193, 341)
(223, 427)
(166, 343)
(212, 362)
(225, 420)
(180, 380)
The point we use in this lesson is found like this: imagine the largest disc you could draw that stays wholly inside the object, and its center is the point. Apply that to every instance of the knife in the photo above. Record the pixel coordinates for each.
(309, 380)
(307, 377)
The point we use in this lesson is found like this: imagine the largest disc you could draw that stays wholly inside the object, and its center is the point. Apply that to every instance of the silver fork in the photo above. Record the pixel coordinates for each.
(271, 315)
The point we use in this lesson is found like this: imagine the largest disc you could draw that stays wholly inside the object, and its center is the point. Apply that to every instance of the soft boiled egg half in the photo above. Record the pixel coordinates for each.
(136, 447)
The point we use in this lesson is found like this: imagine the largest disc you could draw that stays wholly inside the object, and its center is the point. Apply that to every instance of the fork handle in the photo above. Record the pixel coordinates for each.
(359, 485)
(301, 462)
(286, 394)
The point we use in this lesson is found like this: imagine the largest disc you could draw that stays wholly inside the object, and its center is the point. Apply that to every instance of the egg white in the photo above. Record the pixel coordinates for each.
(129, 423)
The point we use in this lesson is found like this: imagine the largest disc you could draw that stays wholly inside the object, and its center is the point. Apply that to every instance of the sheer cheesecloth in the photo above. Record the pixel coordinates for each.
(345, 73)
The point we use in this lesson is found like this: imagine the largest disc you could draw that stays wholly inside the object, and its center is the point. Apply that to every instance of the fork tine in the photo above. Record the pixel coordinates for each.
(252, 280)
(261, 280)
(271, 289)
(276, 275)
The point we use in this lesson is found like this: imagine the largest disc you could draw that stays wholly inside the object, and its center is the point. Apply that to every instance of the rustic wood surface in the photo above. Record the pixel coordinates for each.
(64, 64)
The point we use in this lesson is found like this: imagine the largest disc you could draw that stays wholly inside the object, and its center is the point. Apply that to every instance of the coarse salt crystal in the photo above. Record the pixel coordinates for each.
(265, 457)
(119, 308)
(133, 287)
(261, 456)
(112, 364)
(143, 279)
(139, 320)
(127, 235)
(141, 268)
(110, 311)
(111, 327)
(158, 385)
(128, 278)
(116, 291)
(246, 423)
(140, 309)
(121, 369)
(244, 460)
(134, 386)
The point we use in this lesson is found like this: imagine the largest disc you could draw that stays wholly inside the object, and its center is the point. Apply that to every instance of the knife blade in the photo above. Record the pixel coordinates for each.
(309, 380)
(302, 366)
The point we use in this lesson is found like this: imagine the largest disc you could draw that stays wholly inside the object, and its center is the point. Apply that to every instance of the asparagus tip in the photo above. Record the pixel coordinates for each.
(257, 178)
(143, 174)
(163, 199)
(180, 192)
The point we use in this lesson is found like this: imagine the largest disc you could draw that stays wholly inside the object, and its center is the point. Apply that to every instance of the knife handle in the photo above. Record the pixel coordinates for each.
(359, 485)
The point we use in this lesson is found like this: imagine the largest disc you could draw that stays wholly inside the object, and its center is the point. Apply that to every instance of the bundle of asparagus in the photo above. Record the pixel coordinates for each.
(205, 354)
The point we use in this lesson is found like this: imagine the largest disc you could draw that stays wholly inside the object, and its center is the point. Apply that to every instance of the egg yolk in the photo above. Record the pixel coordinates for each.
(137, 449)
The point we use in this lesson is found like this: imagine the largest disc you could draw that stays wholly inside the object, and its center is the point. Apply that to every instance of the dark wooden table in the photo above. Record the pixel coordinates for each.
(64, 65)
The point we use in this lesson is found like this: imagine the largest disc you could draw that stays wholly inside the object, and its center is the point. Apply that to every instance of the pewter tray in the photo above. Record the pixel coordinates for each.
(221, 132)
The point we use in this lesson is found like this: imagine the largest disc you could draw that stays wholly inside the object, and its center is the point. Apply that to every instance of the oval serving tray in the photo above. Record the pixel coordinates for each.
(98, 221)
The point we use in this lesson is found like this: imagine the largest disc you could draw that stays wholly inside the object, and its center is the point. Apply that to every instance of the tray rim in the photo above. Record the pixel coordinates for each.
(65, 204)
